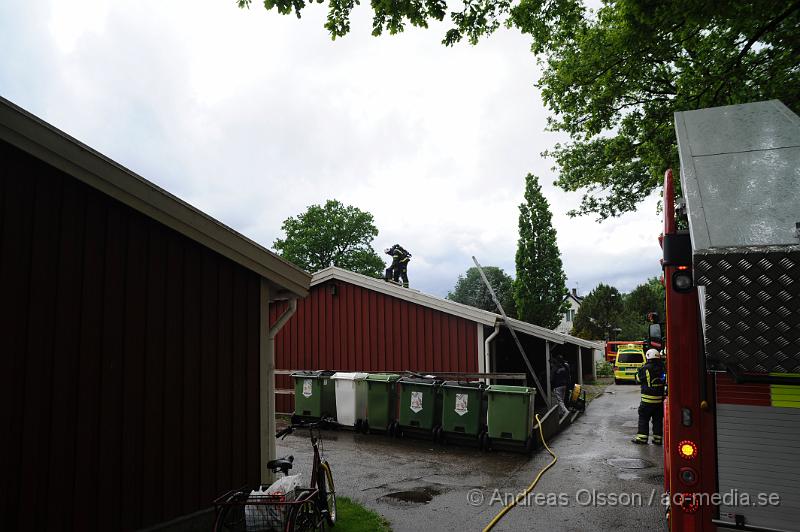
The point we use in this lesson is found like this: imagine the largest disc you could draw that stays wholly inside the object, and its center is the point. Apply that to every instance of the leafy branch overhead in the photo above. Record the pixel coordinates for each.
(614, 77)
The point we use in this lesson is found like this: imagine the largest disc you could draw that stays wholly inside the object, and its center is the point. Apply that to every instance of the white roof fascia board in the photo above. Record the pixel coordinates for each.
(552, 336)
(51, 145)
(536, 330)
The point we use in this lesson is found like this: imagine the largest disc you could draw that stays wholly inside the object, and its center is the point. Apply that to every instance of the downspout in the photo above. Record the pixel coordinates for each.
(268, 386)
(486, 353)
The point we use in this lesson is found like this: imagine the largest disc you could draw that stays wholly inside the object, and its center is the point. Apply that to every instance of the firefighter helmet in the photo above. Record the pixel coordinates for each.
(652, 353)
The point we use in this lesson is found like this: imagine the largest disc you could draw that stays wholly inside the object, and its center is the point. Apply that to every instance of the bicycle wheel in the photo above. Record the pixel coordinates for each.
(231, 517)
(327, 491)
(305, 517)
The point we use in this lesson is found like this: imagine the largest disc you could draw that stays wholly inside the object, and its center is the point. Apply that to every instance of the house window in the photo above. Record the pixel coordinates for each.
(570, 315)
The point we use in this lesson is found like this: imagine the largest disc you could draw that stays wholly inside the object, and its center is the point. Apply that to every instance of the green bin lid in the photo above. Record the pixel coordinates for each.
(312, 374)
(420, 381)
(383, 377)
(504, 388)
(463, 384)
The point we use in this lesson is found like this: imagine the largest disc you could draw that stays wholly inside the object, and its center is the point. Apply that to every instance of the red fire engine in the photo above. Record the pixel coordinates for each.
(732, 276)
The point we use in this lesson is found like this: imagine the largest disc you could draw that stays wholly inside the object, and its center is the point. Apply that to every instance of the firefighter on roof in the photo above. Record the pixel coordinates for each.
(399, 267)
(652, 377)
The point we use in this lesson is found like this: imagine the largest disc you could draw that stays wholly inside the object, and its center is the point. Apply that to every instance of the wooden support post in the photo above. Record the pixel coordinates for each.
(549, 390)
(266, 383)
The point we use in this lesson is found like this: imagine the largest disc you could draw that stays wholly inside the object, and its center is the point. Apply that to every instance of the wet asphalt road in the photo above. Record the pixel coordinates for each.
(600, 482)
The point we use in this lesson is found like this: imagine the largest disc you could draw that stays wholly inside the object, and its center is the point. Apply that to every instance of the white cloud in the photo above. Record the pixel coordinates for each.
(252, 116)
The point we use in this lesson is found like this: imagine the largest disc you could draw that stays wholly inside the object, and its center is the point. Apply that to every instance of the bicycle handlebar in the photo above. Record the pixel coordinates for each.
(322, 423)
(285, 432)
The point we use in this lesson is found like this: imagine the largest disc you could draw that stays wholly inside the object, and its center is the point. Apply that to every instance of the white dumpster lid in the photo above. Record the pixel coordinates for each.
(350, 376)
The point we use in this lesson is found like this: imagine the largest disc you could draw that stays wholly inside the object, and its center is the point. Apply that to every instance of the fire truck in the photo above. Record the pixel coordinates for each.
(731, 263)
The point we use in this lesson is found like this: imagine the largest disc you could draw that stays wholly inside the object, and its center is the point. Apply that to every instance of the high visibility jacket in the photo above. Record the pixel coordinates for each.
(399, 254)
(652, 377)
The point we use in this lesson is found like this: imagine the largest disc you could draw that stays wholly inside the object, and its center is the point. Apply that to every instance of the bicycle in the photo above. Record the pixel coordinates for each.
(306, 509)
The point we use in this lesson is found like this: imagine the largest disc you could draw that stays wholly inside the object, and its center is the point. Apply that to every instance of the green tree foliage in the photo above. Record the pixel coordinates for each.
(621, 316)
(613, 77)
(649, 296)
(540, 284)
(471, 290)
(331, 234)
(645, 298)
(601, 311)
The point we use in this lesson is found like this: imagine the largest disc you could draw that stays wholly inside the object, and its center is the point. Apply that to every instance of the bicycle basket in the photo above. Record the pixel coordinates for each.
(249, 511)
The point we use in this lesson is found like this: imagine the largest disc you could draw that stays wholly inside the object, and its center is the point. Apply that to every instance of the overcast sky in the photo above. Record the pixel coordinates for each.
(251, 117)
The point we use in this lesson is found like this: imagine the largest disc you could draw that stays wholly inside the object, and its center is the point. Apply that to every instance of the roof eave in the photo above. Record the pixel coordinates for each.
(40, 139)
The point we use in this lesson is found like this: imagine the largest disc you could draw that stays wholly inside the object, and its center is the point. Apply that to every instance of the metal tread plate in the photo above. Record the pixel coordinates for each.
(752, 307)
(740, 175)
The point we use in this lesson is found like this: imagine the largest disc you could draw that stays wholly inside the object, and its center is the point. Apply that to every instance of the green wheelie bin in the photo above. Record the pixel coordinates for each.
(314, 395)
(420, 410)
(509, 417)
(463, 412)
(381, 403)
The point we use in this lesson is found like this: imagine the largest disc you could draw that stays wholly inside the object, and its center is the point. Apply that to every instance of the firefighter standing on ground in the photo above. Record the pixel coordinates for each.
(560, 379)
(399, 267)
(652, 377)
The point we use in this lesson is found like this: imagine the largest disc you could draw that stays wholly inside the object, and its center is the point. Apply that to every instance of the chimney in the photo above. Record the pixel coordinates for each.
(575, 292)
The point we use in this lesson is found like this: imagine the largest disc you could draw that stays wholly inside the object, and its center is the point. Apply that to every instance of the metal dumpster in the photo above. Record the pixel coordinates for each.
(420, 410)
(509, 415)
(314, 395)
(351, 398)
(463, 411)
(381, 402)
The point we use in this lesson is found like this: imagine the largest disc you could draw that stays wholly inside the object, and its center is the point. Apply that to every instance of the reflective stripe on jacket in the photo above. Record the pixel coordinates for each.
(652, 378)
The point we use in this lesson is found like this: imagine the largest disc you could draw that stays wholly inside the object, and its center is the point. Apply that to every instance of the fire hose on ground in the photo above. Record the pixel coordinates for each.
(522, 495)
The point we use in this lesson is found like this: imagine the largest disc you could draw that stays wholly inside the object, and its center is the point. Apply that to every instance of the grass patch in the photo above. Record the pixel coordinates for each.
(353, 517)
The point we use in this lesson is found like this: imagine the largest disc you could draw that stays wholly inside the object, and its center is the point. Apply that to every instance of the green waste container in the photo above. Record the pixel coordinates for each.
(463, 411)
(420, 408)
(509, 413)
(314, 394)
(381, 402)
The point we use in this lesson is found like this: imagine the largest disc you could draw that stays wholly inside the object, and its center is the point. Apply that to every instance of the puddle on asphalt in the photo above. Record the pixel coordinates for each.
(630, 463)
(420, 495)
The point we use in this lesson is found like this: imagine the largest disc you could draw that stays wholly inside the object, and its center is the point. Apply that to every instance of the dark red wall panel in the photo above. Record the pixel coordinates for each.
(728, 392)
(129, 361)
(350, 328)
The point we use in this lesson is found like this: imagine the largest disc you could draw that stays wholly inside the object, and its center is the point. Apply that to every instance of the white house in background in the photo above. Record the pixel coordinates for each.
(569, 316)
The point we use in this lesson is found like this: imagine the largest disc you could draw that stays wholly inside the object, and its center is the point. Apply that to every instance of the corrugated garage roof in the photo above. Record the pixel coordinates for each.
(31, 134)
(445, 305)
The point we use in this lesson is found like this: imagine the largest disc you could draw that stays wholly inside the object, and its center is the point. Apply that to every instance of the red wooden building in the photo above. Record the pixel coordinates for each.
(351, 322)
(135, 358)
